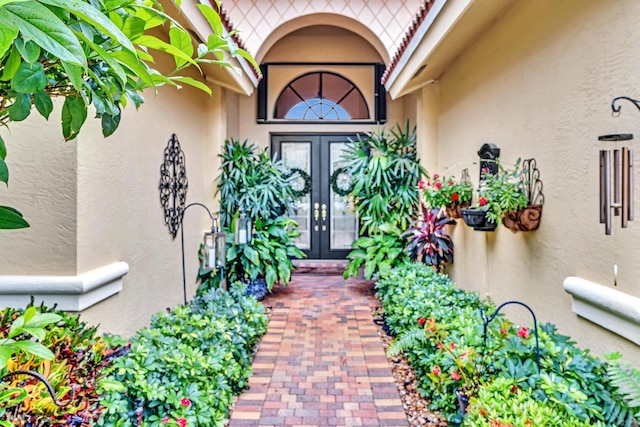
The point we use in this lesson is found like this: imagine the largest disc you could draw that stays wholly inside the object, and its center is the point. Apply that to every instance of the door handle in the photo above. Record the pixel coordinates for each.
(316, 214)
(324, 217)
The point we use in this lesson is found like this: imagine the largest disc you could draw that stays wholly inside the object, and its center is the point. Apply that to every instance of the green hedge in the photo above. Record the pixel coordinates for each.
(440, 331)
(188, 364)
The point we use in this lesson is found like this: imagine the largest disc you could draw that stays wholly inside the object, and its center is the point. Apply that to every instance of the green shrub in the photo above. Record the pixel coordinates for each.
(440, 331)
(200, 353)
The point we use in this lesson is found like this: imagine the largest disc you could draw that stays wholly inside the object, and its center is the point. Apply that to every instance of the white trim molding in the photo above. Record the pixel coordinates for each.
(606, 307)
(70, 293)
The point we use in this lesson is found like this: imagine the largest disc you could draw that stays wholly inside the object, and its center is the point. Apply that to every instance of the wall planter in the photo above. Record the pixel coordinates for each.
(527, 219)
(477, 218)
(454, 210)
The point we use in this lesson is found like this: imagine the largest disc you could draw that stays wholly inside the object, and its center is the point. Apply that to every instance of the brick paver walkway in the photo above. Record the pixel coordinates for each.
(322, 362)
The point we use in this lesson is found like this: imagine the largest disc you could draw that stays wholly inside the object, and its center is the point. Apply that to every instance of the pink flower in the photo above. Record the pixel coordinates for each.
(482, 201)
(436, 370)
(455, 197)
(182, 422)
(451, 183)
(455, 376)
(165, 420)
(185, 402)
(452, 346)
(422, 184)
(438, 185)
(523, 332)
(436, 176)
(440, 346)
(421, 321)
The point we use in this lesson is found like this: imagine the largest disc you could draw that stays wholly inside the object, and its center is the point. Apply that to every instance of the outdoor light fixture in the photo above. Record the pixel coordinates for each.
(489, 154)
(215, 247)
(616, 176)
(243, 229)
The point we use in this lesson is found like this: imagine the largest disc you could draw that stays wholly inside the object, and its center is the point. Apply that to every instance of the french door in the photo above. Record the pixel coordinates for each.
(326, 220)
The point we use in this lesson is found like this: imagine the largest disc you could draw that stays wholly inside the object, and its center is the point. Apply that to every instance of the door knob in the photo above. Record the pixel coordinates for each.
(316, 214)
(324, 217)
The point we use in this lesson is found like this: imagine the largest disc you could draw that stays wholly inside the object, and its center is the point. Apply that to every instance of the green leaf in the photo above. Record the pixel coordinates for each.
(270, 276)
(181, 40)
(4, 172)
(21, 108)
(29, 51)
(8, 32)
(74, 113)
(11, 219)
(133, 27)
(110, 124)
(3, 149)
(29, 78)
(95, 18)
(252, 255)
(212, 17)
(39, 24)
(106, 57)
(74, 73)
(137, 67)
(5, 355)
(155, 43)
(34, 348)
(12, 65)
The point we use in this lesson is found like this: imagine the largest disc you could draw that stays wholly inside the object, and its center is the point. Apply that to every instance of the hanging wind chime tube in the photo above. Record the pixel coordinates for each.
(616, 182)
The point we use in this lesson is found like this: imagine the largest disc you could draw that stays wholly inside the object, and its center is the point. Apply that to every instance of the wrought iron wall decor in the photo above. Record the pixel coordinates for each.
(173, 185)
(616, 175)
(527, 219)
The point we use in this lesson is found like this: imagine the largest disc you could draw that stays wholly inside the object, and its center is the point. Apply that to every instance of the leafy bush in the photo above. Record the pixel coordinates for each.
(198, 354)
(379, 252)
(440, 330)
(69, 356)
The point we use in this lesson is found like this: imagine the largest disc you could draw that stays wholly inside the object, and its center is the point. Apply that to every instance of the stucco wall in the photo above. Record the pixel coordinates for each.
(95, 201)
(538, 83)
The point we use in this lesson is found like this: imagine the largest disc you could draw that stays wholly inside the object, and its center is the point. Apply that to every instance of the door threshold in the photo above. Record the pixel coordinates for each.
(320, 266)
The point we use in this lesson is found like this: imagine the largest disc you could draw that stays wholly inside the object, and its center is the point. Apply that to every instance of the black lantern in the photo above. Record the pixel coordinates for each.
(215, 247)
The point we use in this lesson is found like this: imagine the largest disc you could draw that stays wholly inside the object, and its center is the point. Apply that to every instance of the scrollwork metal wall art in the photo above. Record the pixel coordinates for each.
(173, 185)
(531, 183)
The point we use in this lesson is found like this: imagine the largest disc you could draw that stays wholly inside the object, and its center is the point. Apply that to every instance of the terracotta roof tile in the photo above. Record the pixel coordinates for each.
(411, 32)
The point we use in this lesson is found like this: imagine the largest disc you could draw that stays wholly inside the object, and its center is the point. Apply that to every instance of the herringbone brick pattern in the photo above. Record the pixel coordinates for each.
(322, 362)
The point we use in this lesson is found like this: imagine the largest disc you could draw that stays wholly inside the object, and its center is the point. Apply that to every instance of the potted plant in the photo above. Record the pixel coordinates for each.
(428, 239)
(527, 218)
(441, 191)
(499, 194)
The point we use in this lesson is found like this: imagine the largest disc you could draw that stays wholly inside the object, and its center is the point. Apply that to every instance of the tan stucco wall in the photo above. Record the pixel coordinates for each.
(95, 201)
(538, 83)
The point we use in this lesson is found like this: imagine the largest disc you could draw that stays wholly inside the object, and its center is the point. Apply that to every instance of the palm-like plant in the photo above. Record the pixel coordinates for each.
(428, 239)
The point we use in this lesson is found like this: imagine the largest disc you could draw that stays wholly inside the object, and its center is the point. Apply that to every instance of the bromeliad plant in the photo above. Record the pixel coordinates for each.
(428, 239)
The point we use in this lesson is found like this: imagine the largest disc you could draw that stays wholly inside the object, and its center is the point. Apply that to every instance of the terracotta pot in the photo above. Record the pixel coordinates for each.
(527, 219)
(454, 210)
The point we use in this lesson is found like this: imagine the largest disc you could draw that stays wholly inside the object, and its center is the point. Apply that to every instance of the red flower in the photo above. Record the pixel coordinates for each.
(452, 346)
(451, 182)
(185, 402)
(523, 332)
(482, 201)
(165, 420)
(182, 422)
(455, 197)
(455, 376)
(436, 176)
(421, 321)
(436, 370)
(438, 185)
(422, 185)
(440, 346)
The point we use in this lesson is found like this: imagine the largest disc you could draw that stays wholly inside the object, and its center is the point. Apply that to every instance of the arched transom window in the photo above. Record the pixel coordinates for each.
(321, 95)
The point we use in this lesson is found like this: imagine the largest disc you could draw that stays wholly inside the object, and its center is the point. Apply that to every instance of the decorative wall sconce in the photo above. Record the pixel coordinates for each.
(616, 176)
(243, 229)
(489, 154)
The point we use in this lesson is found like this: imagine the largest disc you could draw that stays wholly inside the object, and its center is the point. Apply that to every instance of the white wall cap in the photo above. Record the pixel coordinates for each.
(70, 293)
(609, 308)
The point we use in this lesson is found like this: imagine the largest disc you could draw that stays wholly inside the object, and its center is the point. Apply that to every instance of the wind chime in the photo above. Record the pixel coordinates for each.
(616, 176)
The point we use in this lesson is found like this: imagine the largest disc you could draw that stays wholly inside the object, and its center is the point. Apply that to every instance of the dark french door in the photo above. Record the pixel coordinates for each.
(326, 220)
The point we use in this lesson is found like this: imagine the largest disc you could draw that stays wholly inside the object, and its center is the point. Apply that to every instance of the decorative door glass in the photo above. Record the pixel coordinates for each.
(298, 155)
(344, 223)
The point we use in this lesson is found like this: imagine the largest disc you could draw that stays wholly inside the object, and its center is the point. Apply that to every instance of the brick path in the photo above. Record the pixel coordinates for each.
(322, 362)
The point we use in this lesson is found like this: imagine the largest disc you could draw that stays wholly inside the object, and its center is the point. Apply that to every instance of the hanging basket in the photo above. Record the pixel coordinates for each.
(454, 210)
(477, 218)
(527, 219)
